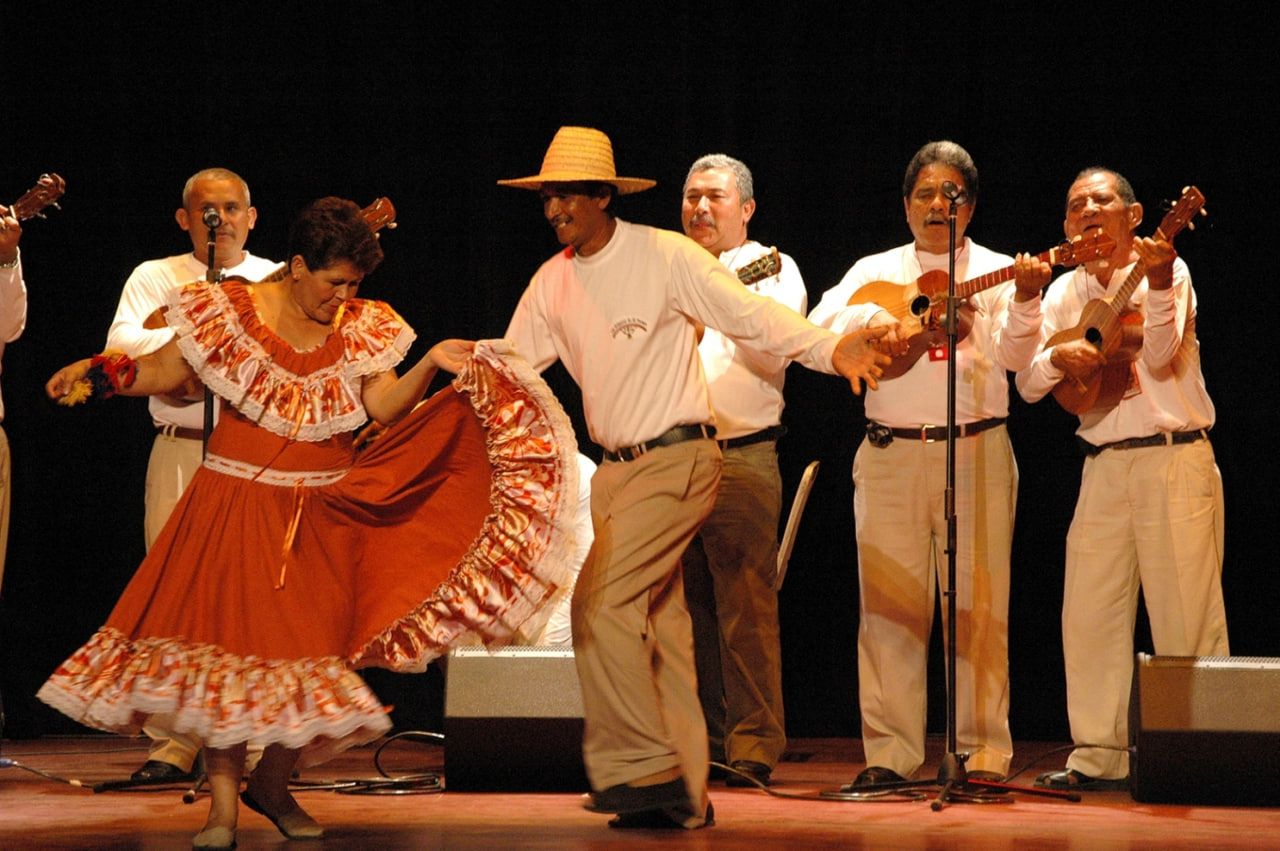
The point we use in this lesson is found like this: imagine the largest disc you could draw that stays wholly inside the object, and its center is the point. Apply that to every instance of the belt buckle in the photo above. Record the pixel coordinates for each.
(924, 434)
(879, 435)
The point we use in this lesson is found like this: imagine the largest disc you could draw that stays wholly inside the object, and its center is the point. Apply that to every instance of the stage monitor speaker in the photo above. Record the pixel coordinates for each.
(1205, 730)
(513, 720)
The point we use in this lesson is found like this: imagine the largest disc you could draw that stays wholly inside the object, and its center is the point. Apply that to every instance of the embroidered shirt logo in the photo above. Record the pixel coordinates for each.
(629, 326)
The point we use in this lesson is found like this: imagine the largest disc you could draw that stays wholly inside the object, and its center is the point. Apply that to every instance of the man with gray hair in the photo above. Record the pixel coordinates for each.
(179, 421)
(899, 476)
(730, 566)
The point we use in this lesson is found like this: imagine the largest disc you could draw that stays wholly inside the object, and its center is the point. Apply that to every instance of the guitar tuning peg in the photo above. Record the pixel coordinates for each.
(1185, 188)
(1191, 225)
(392, 225)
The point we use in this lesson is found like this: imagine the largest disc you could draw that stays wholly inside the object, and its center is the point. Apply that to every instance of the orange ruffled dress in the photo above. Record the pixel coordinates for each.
(290, 561)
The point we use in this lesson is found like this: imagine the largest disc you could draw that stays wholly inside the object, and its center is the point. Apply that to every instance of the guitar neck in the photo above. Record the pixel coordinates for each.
(1120, 298)
(973, 286)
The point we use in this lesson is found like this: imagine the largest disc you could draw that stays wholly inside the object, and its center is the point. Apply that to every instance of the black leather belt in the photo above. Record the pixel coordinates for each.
(770, 433)
(1166, 438)
(679, 434)
(883, 435)
(182, 432)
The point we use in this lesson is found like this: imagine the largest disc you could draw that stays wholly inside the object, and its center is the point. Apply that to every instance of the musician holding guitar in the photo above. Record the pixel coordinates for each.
(730, 566)
(899, 476)
(1150, 510)
(176, 453)
(13, 313)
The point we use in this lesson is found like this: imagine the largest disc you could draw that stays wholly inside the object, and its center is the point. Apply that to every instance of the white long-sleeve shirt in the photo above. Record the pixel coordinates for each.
(1004, 337)
(1166, 391)
(746, 385)
(620, 322)
(13, 309)
(146, 291)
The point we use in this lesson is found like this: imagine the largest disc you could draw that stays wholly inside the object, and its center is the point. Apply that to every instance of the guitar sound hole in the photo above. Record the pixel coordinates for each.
(920, 305)
(1093, 335)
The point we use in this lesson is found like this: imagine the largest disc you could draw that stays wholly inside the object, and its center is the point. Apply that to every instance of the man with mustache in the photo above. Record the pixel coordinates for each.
(1149, 514)
(899, 476)
(179, 421)
(617, 306)
(730, 566)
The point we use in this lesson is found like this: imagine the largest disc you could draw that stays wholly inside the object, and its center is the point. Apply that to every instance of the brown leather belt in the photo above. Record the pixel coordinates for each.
(1166, 438)
(882, 435)
(679, 434)
(184, 433)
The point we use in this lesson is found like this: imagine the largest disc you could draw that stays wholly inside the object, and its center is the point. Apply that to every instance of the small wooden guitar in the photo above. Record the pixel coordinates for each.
(765, 266)
(48, 189)
(1114, 329)
(921, 307)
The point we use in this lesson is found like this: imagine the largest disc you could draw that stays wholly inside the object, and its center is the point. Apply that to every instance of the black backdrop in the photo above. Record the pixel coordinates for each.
(430, 103)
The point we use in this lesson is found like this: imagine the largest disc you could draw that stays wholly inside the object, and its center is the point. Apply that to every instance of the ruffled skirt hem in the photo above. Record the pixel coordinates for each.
(318, 706)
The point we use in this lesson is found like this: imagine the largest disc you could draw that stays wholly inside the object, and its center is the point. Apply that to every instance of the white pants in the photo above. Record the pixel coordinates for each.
(899, 512)
(1149, 517)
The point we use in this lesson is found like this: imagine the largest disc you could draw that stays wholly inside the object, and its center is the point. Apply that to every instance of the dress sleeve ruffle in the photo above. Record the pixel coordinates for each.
(308, 396)
(524, 550)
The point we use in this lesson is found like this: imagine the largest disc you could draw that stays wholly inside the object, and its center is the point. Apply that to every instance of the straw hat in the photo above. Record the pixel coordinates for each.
(580, 153)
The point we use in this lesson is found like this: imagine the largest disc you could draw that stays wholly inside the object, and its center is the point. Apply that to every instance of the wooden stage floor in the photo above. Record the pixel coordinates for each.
(36, 812)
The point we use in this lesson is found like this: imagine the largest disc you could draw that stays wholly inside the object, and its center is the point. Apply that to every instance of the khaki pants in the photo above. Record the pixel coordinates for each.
(631, 635)
(173, 462)
(901, 525)
(1149, 517)
(5, 489)
(729, 571)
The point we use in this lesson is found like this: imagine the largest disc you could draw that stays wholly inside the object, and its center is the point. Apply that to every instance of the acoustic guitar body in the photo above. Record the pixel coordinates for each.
(1111, 333)
(921, 309)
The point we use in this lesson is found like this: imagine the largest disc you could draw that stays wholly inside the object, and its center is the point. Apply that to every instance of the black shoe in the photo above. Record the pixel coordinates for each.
(155, 771)
(630, 799)
(757, 774)
(874, 775)
(657, 820)
(1070, 780)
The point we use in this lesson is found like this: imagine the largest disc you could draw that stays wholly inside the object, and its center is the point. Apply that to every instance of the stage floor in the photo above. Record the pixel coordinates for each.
(36, 812)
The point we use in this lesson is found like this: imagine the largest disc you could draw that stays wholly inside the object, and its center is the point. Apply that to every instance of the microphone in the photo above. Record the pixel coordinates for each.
(213, 221)
(953, 193)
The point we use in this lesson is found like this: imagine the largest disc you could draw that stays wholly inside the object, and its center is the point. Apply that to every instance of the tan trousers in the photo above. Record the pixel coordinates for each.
(1150, 517)
(6, 482)
(899, 515)
(631, 635)
(173, 462)
(728, 579)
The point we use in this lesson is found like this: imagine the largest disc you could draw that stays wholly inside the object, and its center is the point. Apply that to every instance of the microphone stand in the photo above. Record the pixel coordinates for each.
(213, 274)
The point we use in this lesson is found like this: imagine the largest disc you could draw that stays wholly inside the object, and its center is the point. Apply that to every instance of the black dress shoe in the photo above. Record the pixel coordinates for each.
(155, 771)
(874, 775)
(758, 773)
(657, 820)
(1070, 780)
(630, 799)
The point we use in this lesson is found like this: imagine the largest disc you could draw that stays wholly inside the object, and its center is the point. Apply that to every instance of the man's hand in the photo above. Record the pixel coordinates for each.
(451, 355)
(897, 340)
(10, 233)
(1030, 276)
(858, 358)
(1077, 358)
(1158, 256)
